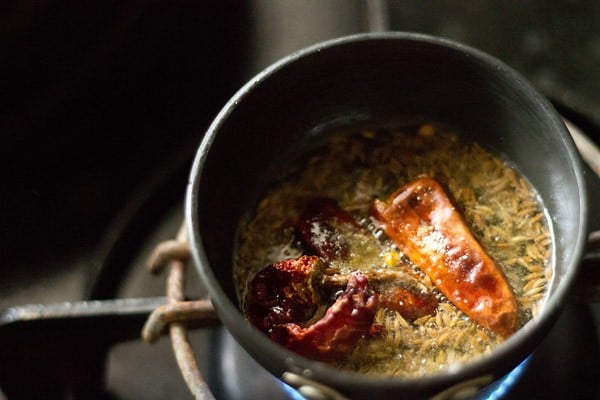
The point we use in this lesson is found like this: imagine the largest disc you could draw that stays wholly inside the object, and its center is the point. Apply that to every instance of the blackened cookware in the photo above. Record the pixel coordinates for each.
(376, 79)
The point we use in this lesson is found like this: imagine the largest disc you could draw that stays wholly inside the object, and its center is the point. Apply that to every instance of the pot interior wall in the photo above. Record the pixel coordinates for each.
(372, 83)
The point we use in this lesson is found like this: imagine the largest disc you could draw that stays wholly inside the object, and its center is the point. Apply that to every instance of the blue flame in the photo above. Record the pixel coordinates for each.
(292, 393)
(501, 388)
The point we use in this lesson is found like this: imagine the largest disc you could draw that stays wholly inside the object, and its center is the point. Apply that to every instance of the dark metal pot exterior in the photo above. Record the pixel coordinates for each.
(366, 80)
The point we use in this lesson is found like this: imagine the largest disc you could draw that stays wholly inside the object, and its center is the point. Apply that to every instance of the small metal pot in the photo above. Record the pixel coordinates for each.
(376, 79)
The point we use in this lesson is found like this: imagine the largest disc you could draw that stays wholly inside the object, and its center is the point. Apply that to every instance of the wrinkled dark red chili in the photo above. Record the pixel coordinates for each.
(281, 297)
(337, 334)
(316, 228)
(283, 292)
(410, 304)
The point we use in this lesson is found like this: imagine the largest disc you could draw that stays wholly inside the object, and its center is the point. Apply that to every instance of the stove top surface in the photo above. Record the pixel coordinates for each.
(98, 139)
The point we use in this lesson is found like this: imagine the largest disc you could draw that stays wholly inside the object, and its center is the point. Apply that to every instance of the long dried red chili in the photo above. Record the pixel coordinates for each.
(423, 222)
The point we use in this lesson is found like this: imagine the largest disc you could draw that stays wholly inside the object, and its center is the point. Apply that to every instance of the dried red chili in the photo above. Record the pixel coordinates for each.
(317, 228)
(423, 222)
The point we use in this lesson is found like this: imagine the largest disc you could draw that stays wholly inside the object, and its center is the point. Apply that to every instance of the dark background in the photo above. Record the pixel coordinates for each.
(98, 96)
(95, 96)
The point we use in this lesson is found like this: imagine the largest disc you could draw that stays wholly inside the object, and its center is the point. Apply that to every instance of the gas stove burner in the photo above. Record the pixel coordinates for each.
(177, 311)
(92, 349)
(233, 374)
(250, 380)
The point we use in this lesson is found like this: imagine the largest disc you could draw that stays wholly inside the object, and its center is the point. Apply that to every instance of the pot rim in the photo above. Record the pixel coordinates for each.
(503, 354)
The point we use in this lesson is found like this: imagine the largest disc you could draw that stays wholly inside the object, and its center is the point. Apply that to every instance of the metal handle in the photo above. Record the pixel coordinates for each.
(590, 153)
(587, 286)
(311, 389)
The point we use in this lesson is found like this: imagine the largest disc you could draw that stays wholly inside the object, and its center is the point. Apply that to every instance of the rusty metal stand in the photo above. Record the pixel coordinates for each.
(175, 254)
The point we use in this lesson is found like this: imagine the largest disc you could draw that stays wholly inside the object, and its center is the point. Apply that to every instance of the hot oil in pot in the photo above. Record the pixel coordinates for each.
(499, 206)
